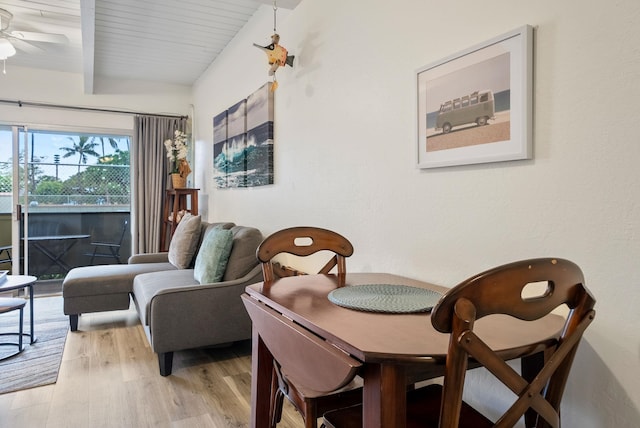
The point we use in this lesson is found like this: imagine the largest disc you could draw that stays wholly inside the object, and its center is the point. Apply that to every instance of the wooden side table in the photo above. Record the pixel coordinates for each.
(176, 200)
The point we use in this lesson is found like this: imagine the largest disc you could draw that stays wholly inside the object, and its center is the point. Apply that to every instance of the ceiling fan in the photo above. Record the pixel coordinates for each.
(12, 39)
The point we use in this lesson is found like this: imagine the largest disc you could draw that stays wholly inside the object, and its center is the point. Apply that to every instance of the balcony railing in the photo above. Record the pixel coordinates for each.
(103, 224)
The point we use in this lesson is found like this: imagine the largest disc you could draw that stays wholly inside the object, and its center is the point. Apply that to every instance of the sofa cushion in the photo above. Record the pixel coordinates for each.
(243, 253)
(148, 285)
(106, 279)
(213, 255)
(206, 227)
(185, 241)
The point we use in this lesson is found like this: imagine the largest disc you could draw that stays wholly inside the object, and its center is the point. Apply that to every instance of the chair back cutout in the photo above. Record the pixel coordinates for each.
(304, 241)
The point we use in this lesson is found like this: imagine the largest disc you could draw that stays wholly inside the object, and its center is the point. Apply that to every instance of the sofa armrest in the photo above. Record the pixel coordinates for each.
(149, 258)
(200, 315)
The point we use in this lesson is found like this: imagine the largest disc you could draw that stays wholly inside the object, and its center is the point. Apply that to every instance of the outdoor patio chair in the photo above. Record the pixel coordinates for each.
(109, 249)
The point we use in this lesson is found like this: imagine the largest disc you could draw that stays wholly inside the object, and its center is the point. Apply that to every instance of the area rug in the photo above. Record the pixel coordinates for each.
(39, 363)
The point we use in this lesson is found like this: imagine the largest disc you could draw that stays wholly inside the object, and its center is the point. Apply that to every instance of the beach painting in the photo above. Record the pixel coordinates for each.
(259, 151)
(475, 106)
(243, 142)
(220, 169)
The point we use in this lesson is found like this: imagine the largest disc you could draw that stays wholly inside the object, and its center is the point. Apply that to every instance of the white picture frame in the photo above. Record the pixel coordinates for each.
(476, 106)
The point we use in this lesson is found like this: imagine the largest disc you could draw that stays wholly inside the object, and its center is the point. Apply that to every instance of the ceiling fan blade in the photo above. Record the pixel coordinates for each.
(39, 37)
(26, 46)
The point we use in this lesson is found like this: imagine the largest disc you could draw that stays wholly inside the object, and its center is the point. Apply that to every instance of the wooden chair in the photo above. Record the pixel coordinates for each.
(311, 363)
(311, 403)
(502, 290)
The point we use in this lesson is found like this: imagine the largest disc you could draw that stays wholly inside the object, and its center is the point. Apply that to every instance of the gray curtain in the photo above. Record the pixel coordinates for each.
(150, 178)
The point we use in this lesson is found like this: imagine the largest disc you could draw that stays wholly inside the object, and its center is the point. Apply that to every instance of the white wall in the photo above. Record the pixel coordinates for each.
(54, 87)
(345, 144)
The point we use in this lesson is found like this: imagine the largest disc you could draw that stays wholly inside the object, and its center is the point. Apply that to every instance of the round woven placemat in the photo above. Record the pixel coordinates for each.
(390, 298)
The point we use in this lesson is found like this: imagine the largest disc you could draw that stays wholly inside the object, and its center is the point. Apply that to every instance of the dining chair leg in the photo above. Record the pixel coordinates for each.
(276, 400)
(530, 366)
(311, 418)
(276, 409)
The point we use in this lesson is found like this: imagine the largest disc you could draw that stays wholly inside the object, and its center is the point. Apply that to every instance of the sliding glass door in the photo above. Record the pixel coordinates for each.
(10, 148)
(60, 192)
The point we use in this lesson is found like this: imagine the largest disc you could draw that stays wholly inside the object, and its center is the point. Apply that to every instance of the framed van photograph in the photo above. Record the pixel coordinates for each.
(476, 106)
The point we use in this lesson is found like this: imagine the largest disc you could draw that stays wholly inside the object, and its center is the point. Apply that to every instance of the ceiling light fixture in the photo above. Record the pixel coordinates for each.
(6, 50)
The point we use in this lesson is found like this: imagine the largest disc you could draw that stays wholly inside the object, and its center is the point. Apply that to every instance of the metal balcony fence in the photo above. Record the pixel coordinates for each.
(91, 200)
(51, 184)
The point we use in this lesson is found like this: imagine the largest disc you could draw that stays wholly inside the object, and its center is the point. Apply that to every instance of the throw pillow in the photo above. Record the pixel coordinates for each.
(185, 241)
(247, 240)
(212, 258)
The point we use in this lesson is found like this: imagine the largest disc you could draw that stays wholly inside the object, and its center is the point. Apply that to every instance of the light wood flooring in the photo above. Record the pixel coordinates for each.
(109, 378)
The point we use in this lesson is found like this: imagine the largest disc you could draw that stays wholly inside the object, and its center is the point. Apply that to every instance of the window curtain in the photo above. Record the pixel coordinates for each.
(150, 177)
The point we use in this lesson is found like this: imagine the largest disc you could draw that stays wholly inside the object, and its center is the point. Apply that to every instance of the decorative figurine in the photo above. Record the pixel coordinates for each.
(276, 54)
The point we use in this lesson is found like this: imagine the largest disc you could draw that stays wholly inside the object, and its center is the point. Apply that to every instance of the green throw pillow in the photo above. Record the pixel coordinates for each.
(212, 258)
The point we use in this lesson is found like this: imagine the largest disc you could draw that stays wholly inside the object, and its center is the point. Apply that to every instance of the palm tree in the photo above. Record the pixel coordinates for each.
(112, 141)
(83, 147)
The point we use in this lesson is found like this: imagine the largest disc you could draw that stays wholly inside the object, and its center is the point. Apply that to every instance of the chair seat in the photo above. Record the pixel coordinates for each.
(8, 304)
(356, 383)
(423, 408)
(348, 395)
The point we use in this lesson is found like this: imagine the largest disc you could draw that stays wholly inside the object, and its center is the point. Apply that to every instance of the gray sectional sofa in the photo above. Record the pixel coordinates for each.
(176, 310)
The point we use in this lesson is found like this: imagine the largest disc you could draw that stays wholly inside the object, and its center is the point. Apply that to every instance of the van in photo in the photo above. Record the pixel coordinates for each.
(477, 107)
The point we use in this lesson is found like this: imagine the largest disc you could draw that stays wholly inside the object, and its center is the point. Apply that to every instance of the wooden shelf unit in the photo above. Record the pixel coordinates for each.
(176, 200)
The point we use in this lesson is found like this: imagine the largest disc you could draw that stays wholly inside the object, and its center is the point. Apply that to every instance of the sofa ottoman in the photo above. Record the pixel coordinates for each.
(102, 288)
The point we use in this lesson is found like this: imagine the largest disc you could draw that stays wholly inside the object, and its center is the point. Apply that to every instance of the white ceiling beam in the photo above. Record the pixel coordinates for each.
(88, 28)
(285, 4)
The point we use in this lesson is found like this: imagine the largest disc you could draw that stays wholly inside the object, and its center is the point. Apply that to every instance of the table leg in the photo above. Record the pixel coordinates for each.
(384, 397)
(32, 335)
(261, 371)
(54, 259)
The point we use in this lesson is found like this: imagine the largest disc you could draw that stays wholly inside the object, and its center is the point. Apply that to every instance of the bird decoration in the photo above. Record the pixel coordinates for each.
(277, 56)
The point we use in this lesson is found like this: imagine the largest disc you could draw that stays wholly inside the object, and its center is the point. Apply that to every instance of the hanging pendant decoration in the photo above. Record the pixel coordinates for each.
(277, 55)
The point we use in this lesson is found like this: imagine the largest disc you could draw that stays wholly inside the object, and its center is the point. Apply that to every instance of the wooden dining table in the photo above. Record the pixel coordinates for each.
(395, 349)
